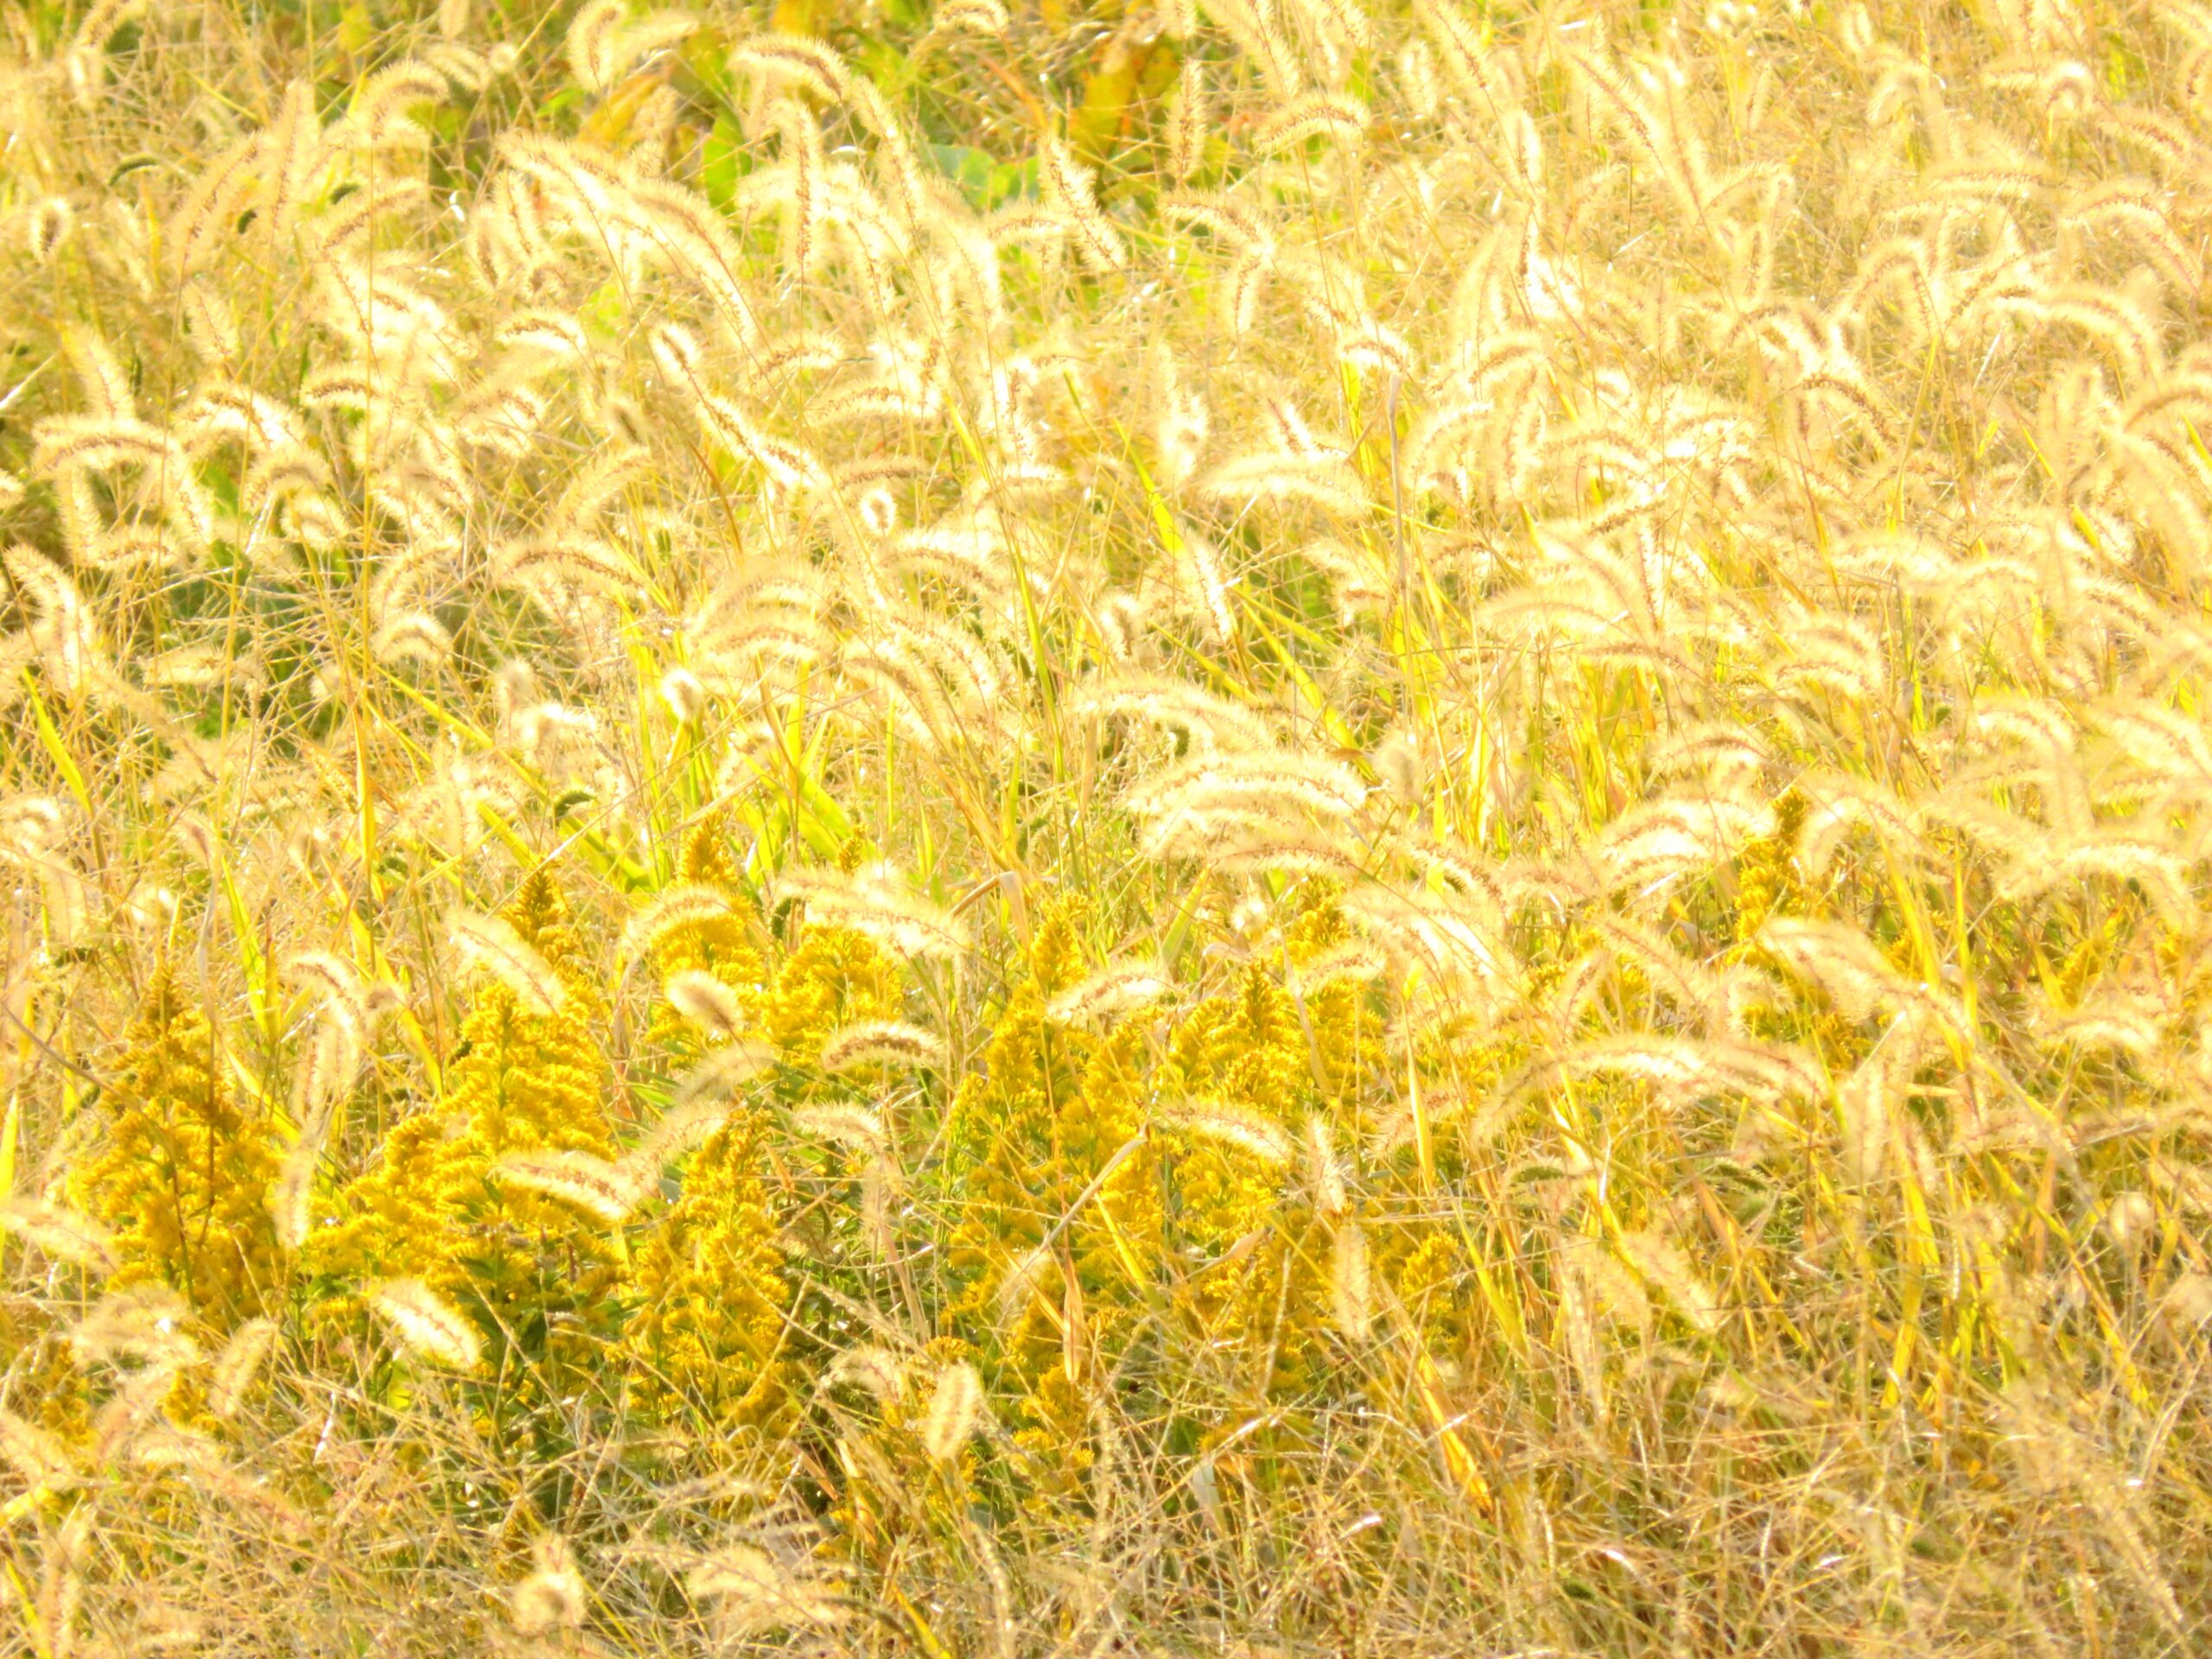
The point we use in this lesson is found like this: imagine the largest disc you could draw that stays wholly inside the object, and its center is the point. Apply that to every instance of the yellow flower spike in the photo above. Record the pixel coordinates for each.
(184, 1173)
(711, 1291)
(433, 1208)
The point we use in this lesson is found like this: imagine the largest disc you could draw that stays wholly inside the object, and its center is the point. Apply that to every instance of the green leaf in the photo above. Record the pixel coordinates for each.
(57, 750)
(722, 165)
(988, 183)
(969, 168)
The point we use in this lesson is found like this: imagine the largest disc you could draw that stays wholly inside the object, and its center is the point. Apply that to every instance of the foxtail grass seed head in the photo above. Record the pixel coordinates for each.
(707, 1002)
(956, 1407)
(60, 1233)
(41, 1458)
(590, 1184)
(239, 1365)
(553, 1597)
(1352, 1289)
(685, 696)
(1232, 1125)
(882, 1042)
(725, 1069)
(492, 944)
(425, 1324)
(869, 1367)
(51, 222)
(1115, 989)
(752, 1592)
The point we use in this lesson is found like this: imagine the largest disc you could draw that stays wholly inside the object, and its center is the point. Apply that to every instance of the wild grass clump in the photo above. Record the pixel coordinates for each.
(1248, 829)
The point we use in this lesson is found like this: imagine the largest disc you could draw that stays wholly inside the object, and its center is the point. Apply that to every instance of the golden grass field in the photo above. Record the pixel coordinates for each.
(1249, 830)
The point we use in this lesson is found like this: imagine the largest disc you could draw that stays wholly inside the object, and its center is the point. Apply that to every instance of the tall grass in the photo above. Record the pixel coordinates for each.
(1250, 829)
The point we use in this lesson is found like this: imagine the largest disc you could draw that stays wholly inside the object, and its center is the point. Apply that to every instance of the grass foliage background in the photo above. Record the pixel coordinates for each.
(1253, 829)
